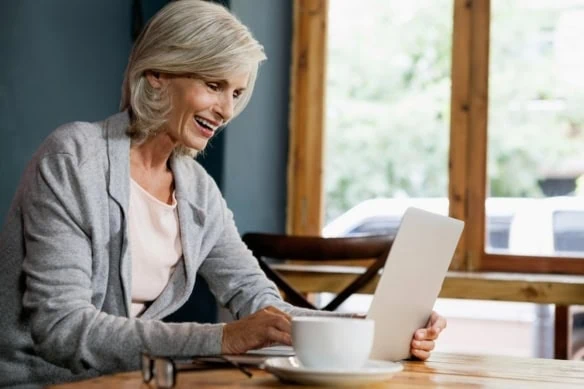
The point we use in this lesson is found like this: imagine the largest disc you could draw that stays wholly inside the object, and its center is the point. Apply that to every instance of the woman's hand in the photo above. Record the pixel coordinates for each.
(423, 340)
(261, 329)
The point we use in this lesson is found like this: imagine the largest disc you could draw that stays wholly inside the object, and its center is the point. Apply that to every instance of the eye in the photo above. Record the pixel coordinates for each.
(237, 94)
(213, 86)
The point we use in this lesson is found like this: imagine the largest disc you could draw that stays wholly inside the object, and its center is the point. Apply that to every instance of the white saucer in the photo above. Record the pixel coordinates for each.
(289, 369)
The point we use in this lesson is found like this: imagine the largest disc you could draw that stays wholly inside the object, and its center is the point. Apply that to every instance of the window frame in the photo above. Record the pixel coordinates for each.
(467, 164)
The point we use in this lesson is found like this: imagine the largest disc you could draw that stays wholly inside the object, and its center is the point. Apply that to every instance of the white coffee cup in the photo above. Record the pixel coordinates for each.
(332, 342)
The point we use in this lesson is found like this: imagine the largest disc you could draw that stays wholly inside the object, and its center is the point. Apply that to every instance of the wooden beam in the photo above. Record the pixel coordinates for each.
(477, 137)
(532, 264)
(305, 156)
(535, 288)
(459, 122)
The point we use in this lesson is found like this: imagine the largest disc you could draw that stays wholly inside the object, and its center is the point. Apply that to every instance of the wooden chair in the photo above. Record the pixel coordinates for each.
(318, 250)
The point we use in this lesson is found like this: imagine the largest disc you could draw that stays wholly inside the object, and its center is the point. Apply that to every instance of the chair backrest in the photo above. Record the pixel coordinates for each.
(318, 250)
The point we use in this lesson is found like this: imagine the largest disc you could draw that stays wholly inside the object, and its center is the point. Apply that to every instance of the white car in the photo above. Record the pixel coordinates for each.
(383, 215)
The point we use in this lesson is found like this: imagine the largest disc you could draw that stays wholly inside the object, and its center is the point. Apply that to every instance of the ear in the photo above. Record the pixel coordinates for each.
(155, 79)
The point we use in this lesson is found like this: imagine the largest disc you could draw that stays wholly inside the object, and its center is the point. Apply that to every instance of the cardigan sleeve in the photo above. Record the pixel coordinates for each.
(67, 329)
(232, 272)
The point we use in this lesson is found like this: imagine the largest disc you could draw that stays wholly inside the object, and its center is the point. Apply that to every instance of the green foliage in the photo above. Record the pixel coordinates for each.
(388, 97)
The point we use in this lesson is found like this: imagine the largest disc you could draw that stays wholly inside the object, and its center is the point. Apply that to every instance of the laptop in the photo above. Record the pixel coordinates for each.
(409, 285)
(411, 280)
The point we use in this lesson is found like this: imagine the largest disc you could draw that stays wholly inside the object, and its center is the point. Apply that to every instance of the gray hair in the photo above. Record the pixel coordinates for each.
(186, 36)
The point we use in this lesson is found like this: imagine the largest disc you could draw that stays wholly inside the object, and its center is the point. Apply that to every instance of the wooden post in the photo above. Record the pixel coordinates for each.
(477, 136)
(305, 156)
(459, 122)
(562, 332)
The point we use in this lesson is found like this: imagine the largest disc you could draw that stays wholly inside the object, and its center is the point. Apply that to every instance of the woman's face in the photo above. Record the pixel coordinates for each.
(199, 107)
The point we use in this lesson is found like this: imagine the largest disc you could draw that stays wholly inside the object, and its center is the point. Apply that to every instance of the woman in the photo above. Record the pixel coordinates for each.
(113, 220)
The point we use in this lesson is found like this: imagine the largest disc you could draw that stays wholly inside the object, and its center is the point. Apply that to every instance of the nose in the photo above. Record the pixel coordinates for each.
(224, 107)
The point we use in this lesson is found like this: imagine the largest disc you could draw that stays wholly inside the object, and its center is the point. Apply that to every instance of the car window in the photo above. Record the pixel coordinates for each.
(376, 227)
(568, 231)
(498, 237)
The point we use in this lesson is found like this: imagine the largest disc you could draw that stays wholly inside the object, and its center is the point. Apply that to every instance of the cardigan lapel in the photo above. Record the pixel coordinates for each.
(118, 150)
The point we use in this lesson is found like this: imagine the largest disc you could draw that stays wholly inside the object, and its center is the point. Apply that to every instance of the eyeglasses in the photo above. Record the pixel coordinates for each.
(163, 370)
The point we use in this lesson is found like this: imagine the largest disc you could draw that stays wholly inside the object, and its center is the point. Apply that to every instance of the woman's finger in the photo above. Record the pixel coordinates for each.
(276, 336)
(424, 345)
(427, 334)
(283, 324)
(420, 354)
(423, 334)
(432, 333)
(434, 317)
(281, 320)
(437, 321)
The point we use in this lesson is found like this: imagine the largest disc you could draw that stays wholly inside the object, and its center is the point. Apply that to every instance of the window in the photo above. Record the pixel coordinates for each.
(386, 126)
(535, 131)
(499, 113)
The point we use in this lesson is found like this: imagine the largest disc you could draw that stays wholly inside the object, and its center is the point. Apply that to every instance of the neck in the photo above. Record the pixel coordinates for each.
(153, 154)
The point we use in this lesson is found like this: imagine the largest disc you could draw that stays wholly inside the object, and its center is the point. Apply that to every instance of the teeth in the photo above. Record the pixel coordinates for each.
(206, 123)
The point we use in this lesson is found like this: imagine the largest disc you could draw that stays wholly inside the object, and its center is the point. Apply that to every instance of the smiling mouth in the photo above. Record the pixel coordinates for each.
(206, 124)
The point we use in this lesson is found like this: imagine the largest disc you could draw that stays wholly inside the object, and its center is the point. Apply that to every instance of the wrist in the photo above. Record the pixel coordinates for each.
(225, 338)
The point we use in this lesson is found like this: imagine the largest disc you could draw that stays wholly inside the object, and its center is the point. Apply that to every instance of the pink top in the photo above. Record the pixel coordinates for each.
(155, 245)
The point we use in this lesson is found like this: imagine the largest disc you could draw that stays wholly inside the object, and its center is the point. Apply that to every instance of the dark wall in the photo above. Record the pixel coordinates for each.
(60, 60)
(256, 143)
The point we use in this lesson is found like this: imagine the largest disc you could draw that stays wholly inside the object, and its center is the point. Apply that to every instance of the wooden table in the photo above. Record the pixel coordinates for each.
(441, 371)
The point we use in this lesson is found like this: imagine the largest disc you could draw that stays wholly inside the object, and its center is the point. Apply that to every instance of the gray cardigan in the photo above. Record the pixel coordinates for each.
(65, 270)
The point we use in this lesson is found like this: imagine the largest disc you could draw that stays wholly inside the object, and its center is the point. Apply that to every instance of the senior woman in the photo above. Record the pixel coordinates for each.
(113, 220)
